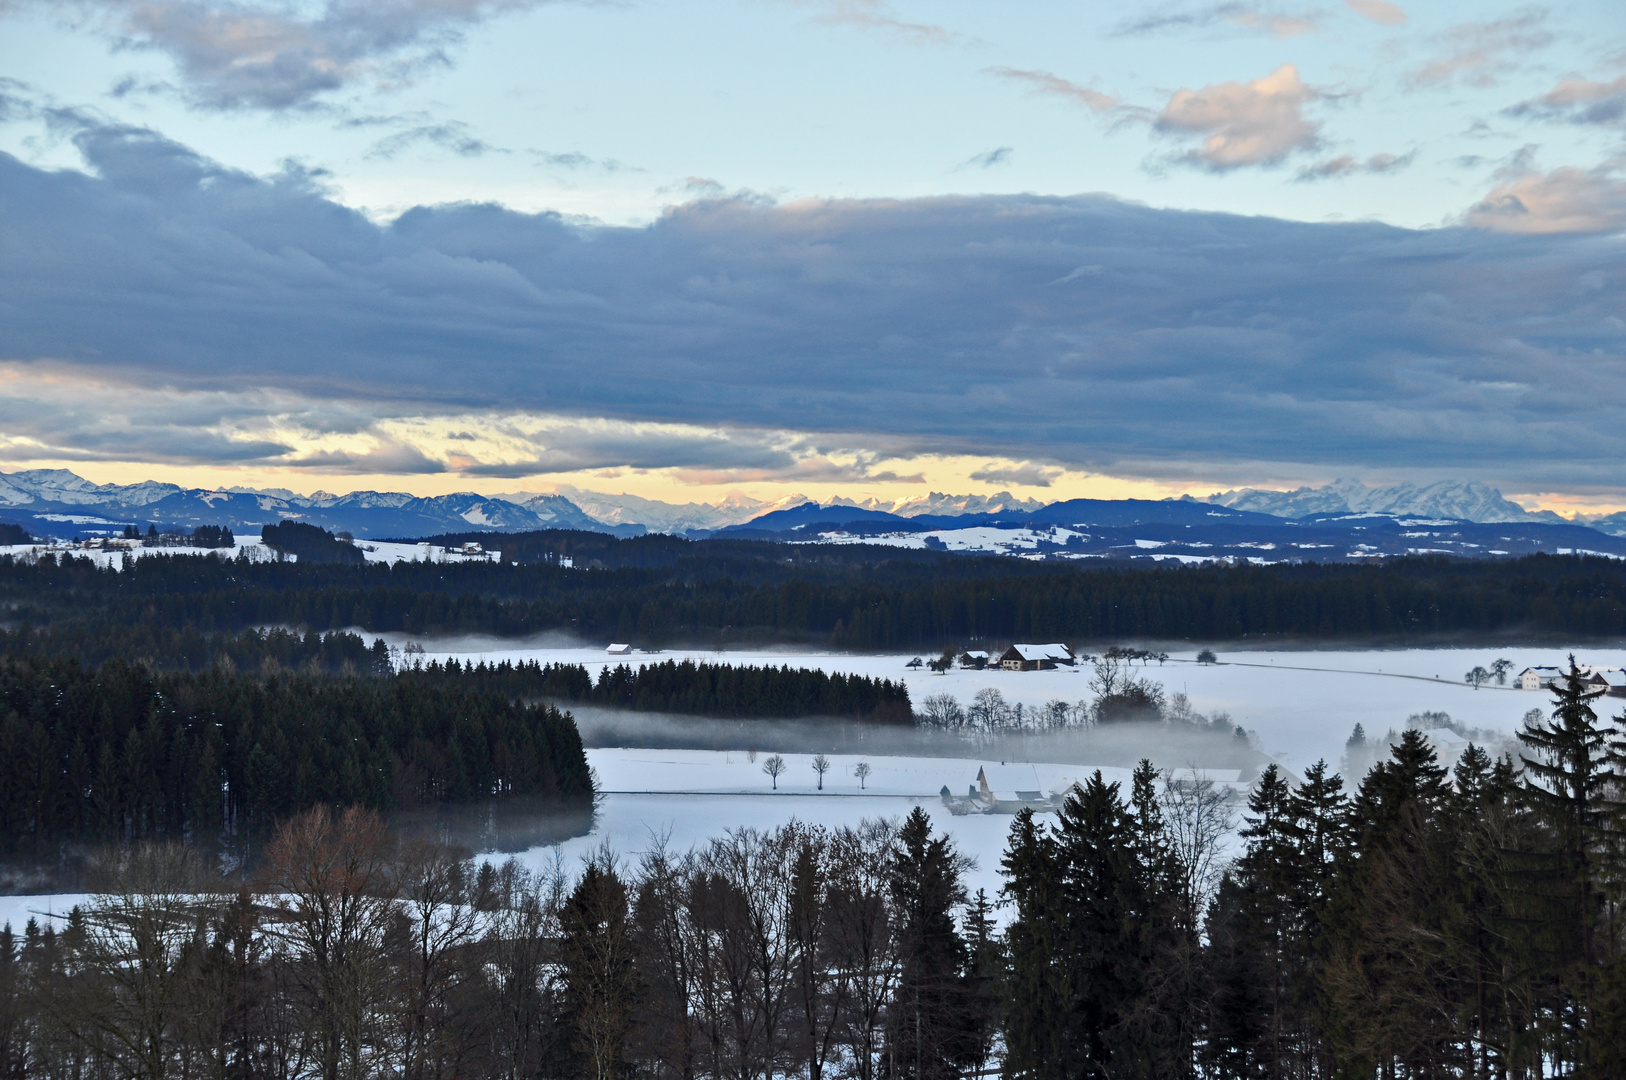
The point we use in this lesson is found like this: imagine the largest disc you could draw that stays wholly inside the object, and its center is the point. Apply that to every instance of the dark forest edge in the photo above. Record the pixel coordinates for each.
(717, 593)
(123, 753)
(1436, 922)
(685, 687)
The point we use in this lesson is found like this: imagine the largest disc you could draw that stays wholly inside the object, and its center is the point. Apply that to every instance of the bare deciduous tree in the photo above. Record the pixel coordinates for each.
(775, 768)
(139, 941)
(331, 873)
(942, 711)
(441, 925)
(1197, 816)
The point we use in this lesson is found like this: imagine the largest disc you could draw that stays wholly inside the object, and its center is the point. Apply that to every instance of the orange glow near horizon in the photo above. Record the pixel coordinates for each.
(949, 475)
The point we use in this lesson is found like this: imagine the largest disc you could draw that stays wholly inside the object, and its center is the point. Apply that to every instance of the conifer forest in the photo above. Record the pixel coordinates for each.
(1423, 922)
(238, 784)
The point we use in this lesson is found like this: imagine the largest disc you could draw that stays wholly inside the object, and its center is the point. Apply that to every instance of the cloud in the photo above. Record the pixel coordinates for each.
(1379, 11)
(1565, 200)
(1580, 101)
(48, 411)
(1043, 82)
(267, 55)
(16, 100)
(1245, 16)
(452, 135)
(697, 187)
(575, 159)
(1255, 123)
(1025, 474)
(1478, 53)
(390, 459)
(732, 337)
(1345, 165)
(989, 158)
(877, 15)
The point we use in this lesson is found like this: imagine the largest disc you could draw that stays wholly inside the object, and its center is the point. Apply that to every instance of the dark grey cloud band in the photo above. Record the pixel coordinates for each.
(1081, 331)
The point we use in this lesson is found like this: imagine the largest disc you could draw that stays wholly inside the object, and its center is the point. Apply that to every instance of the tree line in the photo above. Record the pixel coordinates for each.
(123, 753)
(742, 592)
(311, 544)
(356, 953)
(1434, 922)
(726, 691)
(268, 651)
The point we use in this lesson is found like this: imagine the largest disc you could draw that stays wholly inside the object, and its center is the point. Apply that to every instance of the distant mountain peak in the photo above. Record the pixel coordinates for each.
(1458, 500)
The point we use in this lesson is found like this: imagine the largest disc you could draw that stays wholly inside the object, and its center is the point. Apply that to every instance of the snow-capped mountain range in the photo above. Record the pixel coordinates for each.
(56, 502)
(1470, 501)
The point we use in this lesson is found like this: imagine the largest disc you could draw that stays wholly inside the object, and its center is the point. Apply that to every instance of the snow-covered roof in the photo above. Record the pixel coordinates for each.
(619, 649)
(1054, 651)
(1445, 738)
(1542, 671)
(975, 654)
(1010, 781)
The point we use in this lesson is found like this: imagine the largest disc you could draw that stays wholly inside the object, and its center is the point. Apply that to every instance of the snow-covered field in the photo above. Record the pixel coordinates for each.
(981, 538)
(1303, 705)
(378, 551)
(373, 550)
(114, 557)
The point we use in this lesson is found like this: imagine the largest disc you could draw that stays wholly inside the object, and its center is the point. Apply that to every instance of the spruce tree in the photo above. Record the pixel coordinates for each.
(1087, 938)
(1569, 787)
(984, 976)
(1568, 777)
(929, 1032)
(1036, 989)
(1386, 969)
(596, 953)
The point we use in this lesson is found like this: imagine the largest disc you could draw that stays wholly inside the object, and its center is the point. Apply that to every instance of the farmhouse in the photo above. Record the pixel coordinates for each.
(1035, 657)
(974, 658)
(619, 649)
(1612, 681)
(1538, 678)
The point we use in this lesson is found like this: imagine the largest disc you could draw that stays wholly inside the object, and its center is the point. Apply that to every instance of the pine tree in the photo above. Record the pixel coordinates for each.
(984, 976)
(1567, 781)
(1085, 941)
(1568, 786)
(597, 956)
(1381, 965)
(1036, 990)
(1265, 925)
(929, 1034)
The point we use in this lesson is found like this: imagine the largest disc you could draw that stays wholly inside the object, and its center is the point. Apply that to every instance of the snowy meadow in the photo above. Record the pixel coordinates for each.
(1298, 706)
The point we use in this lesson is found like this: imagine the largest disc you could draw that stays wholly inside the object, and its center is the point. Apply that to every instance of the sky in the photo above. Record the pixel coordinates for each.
(832, 247)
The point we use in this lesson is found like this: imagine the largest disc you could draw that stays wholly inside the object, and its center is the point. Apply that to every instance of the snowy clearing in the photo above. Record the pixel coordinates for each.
(251, 547)
(379, 552)
(114, 557)
(1302, 704)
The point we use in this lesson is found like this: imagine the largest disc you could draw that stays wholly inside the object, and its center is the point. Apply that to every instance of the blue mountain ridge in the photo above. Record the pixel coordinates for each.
(1186, 531)
(363, 514)
(57, 503)
(810, 517)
